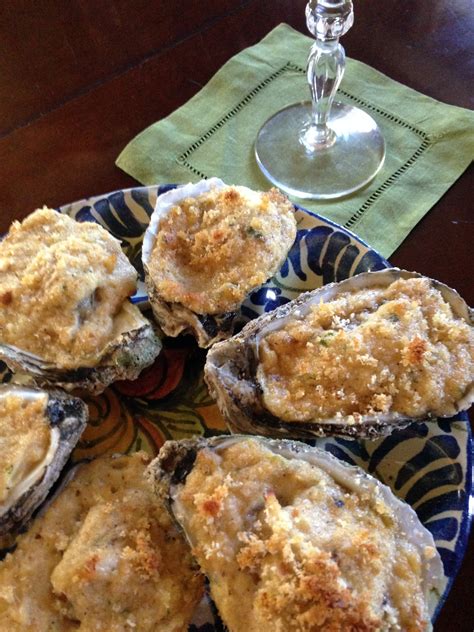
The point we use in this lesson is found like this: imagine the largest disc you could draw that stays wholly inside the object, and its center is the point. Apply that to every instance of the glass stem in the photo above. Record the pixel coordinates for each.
(326, 64)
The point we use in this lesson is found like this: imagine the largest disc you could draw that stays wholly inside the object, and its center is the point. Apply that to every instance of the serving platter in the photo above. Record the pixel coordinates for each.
(426, 464)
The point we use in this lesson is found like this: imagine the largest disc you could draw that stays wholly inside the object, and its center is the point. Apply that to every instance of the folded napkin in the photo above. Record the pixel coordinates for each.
(429, 144)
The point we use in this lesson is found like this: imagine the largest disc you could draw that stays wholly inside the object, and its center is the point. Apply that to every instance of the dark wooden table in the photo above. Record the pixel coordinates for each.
(79, 79)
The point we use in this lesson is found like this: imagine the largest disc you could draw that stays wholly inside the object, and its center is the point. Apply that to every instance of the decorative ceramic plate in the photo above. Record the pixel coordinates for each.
(426, 464)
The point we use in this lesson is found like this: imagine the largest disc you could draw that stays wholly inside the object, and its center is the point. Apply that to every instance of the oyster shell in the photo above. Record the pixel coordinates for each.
(134, 346)
(38, 431)
(65, 317)
(349, 374)
(292, 538)
(207, 247)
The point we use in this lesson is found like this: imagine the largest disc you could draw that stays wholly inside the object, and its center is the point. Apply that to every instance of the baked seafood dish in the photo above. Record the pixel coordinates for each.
(65, 317)
(292, 539)
(357, 358)
(38, 431)
(207, 247)
(105, 556)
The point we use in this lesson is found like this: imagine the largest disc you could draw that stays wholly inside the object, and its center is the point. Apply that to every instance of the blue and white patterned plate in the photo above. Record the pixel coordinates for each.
(426, 464)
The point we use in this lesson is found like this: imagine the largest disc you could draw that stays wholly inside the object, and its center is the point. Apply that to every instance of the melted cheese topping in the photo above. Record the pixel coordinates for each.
(61, 284)
(105, 557)
(212, 250)
(288, 549)
(25, 437)
(396, 349)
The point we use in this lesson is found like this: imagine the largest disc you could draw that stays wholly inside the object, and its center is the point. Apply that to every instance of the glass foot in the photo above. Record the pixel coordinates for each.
(290, 157)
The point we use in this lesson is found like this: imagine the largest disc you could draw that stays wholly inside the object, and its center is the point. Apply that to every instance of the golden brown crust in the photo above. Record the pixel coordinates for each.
(287, 548)
(212, 250)
(398, 349)
(105, 557)
(61, 284)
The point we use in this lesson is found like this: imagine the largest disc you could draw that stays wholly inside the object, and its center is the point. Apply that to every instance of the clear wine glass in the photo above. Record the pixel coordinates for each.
(322, 149)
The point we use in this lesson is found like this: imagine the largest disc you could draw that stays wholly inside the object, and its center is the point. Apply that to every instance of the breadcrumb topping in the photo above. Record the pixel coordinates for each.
(61, 284)
(398, 349)
(212, 250)
(25, 438)
(291, 550)
(105, 556)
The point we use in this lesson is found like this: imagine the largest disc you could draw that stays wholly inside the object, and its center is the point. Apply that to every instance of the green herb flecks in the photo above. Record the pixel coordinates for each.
(326, 338)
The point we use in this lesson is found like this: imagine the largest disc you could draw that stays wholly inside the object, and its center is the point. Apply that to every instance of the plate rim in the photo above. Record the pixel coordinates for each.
(172, 185)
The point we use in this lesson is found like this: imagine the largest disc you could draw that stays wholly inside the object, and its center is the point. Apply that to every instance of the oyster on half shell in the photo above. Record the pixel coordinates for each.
(38, 431)
(359, 358)
(104, 556)
(134, 345)
(207, 247)
(293, 539)
(65, 317)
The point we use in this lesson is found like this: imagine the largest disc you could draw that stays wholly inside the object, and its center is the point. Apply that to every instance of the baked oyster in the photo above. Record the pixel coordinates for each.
(65, 317)
(38, 431)
(207, 247)
(104, 556)
(359, 358)
(293, 539)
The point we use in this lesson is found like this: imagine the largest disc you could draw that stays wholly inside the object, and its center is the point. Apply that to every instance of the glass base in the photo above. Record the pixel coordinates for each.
(340, 167)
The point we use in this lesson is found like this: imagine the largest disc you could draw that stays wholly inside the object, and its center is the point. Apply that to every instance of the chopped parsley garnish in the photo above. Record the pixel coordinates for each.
(326, 338)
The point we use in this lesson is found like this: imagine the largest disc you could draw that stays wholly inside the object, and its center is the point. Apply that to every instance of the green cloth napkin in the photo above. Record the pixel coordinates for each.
(429, 144)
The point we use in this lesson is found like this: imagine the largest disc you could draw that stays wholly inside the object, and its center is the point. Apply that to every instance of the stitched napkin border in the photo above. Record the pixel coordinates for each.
(429, 144)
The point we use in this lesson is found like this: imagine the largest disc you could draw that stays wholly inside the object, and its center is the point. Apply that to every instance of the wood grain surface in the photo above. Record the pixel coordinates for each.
(80, 78)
